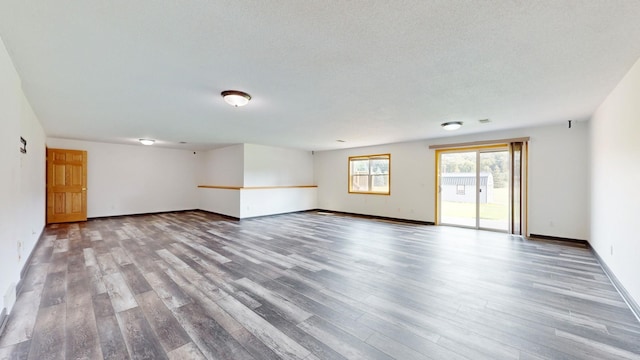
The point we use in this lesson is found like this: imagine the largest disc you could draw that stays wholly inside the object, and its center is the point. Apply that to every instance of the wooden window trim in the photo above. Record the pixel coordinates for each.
(369, 175)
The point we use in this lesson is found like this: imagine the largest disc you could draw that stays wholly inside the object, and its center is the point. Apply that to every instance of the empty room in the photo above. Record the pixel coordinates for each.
(319, 179)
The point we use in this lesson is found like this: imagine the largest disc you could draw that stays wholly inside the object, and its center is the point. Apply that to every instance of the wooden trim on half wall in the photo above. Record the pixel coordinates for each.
(256, 187)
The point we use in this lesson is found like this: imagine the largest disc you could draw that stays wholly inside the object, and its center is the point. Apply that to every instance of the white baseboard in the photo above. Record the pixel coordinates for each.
(626, 296)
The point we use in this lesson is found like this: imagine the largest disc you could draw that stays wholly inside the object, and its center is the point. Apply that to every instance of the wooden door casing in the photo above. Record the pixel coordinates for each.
(66, 185)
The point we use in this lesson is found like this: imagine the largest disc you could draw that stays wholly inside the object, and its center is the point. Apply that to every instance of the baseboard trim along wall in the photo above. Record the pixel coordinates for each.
(251, 217)
(633, 305)
(27, 264)
(233, 218)
(385, 218)
(327, 212)
(138, 214)
(4, 317)
(558, 238)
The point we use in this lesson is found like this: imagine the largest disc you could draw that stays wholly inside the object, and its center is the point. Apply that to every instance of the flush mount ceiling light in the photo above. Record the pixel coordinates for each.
(235, 98)
(452, 125)
(146, 141)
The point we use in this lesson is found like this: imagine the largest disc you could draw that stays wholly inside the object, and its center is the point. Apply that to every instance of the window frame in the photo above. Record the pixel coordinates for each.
(369, 174)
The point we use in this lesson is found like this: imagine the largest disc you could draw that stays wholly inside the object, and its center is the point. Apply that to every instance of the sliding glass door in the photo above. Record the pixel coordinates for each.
(483, 185)
(458, 200)
(493, 209)
(473, 187)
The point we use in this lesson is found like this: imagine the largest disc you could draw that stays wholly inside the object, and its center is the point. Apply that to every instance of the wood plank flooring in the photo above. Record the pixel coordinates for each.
(194, 285)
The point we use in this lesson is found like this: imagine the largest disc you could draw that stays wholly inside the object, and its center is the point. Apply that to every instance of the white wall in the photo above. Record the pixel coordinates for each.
(558, 179)
(220, 201)
(274, 166)
(615, 175)
(136, 179)
(32, 182)
(412, 182)
(22, 182)
(250, 165)
(261, 202)
(223, 167)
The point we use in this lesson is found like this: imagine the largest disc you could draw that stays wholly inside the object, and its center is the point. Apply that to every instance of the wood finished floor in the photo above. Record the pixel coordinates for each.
(193, 285)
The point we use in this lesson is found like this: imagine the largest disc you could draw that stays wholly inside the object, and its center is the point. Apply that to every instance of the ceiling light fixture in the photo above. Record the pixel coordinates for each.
(452, 125)
(146, 141)
(235, 98)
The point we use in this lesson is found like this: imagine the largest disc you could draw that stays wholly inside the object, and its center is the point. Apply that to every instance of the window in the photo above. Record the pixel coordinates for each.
(460, 189)
(370, 174)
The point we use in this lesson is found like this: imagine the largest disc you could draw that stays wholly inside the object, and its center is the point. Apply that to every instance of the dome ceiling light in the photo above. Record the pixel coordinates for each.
(452, 125)
(235, 98)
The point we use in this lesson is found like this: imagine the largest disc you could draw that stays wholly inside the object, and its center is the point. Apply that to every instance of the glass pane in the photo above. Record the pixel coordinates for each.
(494, 190)
(360, 167)
(458, 188)
(380, 183)
(379, 166)
(360, 183)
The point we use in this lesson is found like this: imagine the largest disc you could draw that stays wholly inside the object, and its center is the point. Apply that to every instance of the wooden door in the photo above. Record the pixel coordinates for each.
(66, 185)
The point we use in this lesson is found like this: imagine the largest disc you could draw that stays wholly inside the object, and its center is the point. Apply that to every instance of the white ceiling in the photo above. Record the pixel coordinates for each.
(367, 72)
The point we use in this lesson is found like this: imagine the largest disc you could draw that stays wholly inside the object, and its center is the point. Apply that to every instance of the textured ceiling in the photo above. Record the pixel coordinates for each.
(361, 71)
